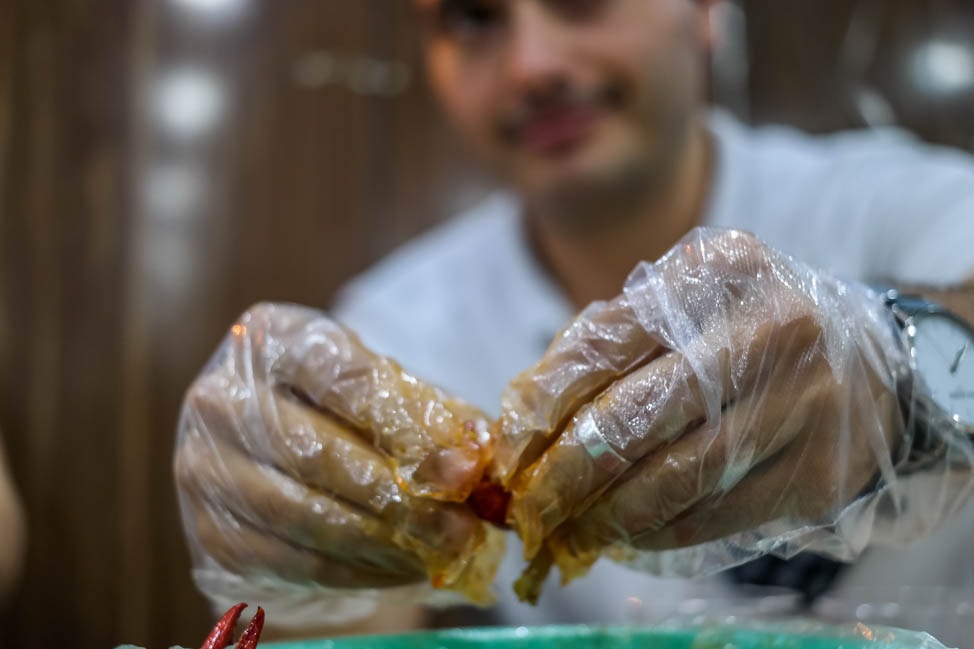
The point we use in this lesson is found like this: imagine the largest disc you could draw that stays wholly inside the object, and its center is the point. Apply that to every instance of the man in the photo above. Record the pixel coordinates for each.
(591, 111)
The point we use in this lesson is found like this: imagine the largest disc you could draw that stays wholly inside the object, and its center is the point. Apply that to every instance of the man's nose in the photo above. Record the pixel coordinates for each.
(537, 58)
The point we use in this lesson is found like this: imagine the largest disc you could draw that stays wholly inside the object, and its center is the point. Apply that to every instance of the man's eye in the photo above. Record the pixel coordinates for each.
(469, 18)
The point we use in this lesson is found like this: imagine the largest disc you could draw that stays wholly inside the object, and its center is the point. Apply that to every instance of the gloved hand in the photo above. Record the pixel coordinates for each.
(312, 472)
(728, 389)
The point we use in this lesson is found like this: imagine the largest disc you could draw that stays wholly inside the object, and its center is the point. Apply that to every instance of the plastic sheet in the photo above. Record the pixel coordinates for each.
(731, 402)
(319, 479)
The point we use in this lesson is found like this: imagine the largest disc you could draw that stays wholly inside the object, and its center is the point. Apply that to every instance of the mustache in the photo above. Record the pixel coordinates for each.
(556, 98)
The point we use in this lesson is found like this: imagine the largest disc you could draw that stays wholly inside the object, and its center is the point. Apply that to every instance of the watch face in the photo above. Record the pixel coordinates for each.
(943, 354)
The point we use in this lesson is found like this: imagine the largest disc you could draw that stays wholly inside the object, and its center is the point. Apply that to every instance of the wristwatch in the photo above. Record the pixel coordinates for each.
(938, 397)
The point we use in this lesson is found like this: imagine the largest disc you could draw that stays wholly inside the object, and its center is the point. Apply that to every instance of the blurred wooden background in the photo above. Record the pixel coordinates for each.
(163, 165)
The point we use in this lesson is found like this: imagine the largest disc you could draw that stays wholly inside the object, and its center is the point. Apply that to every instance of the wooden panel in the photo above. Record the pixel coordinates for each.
(846, 63)
(64, 205)
(127, 250)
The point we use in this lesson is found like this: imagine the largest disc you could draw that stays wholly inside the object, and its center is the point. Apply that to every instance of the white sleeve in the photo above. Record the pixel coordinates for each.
(926, 216)
(920, 200)
(875, 206)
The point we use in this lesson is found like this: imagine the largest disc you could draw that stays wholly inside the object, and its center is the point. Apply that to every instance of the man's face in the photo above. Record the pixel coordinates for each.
(568, 98)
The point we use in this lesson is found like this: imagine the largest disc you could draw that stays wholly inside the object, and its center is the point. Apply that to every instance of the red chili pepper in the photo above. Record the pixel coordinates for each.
(222, 633)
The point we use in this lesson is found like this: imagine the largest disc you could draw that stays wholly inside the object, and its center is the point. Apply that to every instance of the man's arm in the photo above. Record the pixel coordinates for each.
(12, 532)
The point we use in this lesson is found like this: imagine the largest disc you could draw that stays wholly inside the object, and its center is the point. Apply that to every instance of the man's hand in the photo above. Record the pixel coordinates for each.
(729, 386)
(305, 460)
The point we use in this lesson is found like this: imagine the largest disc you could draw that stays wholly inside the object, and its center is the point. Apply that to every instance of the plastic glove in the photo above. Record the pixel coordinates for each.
(730, 393)
(319, 478)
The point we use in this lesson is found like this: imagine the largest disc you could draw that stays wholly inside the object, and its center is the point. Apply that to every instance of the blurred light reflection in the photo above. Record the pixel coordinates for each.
(215, 8)
(943, 67)
(315, 69)
(873, 107)
(361, 75)
(188, 102)
(170, 262)
(173, 192)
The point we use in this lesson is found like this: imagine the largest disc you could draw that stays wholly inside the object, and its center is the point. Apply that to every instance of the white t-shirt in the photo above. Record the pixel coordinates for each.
(467, 307)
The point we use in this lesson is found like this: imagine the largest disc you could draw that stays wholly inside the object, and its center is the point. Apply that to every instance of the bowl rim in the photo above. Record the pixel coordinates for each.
(865, 636)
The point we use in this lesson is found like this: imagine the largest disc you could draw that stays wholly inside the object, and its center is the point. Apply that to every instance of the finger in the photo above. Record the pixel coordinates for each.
(704, 463)
(437, 442)
(269, 500)
(317, 451)
(769, 492)
(657, 402)
(275, 428)
(825, 469)
(646, 409)
(603, 343)
(798, 487)
(611, 339)
(710, 278)
(703, 260)
(725, 251)
(441, 535)
(250, 552)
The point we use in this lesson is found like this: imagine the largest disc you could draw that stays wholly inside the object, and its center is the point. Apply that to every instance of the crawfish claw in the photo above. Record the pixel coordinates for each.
(222, 634)
(252, 633)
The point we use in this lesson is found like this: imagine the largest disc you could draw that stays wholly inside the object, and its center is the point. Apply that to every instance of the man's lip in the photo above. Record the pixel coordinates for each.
(557, 131)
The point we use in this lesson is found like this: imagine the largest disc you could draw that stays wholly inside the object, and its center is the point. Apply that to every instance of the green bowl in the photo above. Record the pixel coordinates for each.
(717, 636)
